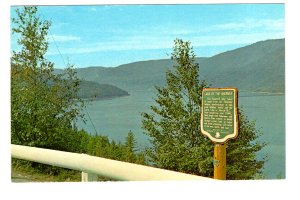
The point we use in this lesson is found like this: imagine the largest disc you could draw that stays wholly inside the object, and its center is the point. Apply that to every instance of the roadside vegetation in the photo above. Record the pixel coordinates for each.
(45, 107)
(94, 145)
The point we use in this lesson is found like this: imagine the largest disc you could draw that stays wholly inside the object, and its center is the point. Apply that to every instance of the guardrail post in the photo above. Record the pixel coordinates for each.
(88, 177)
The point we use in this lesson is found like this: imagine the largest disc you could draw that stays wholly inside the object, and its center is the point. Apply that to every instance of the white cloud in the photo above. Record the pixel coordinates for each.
(239, 33)
(242, 27)
(166, 42)
(234, 39)
(132, 43)
(63, 38)
(59, 25)
(267, 24)
(93, 9)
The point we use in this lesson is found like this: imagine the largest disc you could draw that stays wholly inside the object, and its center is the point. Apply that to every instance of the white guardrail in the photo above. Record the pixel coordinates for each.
(91, 166)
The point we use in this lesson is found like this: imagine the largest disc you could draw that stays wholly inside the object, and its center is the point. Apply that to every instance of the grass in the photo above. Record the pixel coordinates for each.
(23, 172)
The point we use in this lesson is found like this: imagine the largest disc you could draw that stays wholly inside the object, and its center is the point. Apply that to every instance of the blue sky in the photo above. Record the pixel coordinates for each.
(111, 35)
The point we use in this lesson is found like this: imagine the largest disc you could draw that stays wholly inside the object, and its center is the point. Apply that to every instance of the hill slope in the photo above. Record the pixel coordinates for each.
(90, 89)
(256, 67)
(134, 76)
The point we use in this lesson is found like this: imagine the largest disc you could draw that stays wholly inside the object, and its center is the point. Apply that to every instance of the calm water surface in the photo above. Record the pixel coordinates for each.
(116, 117)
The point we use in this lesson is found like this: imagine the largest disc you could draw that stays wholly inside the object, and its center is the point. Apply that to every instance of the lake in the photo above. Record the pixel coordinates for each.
(116, 117)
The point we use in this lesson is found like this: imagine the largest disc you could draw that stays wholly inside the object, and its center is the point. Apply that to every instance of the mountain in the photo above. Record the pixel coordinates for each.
(90, 89)
(134, 76)
(256, 67)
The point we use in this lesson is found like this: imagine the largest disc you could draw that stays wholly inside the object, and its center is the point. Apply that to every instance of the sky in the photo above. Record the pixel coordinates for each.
(111, 35)
(264, 189)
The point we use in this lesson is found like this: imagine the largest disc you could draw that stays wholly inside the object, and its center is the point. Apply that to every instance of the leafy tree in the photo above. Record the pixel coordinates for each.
(44, 106)
(174, 126)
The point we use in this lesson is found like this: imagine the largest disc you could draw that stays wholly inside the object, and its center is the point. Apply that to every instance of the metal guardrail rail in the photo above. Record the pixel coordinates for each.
(92, 166)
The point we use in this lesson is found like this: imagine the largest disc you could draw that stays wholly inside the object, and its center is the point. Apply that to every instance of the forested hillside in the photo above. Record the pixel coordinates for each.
(256, 67)
(95, 90)
(90, 89)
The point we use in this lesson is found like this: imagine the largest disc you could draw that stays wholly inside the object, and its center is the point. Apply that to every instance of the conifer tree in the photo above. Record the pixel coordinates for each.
(173, 126)
(130, 148)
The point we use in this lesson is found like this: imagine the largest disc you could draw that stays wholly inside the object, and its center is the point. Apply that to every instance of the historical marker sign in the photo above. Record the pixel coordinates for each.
(219, 118)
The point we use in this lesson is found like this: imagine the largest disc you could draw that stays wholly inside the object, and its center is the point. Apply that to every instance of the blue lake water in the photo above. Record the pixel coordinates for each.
(116, 117)
(269, 114)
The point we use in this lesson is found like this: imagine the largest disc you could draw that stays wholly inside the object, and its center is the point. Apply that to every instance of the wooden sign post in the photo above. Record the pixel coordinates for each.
(219, 122)
(220, 161)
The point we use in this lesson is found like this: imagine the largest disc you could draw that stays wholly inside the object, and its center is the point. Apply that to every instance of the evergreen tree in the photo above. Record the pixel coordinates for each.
(44, 106)
(130, 145)
(174, 126)
(132, 154)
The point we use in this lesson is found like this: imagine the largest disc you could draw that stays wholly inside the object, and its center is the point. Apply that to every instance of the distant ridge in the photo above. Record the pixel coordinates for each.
(257, 67)
(93, 90)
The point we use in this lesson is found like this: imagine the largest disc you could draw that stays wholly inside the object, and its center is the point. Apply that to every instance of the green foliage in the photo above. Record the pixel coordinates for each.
(242, 162)
(130, 144)
(44, 106)
(97, 145)
(42, 173)
(174, 126)
(132, 154)
(94, 145)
